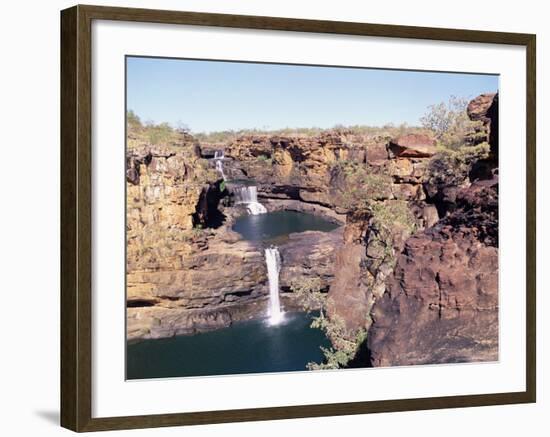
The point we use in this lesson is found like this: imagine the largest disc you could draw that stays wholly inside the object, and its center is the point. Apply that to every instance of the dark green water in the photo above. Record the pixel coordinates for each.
(245, 182)
(245, 347)
(279, 223)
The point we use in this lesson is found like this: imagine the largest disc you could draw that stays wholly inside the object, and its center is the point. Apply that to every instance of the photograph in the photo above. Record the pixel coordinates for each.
(284, 218)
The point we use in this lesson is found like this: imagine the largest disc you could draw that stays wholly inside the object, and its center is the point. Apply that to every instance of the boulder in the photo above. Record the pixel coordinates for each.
(412, 146)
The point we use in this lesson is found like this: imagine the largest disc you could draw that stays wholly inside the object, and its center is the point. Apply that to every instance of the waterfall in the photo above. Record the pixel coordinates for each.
(219, 167)
(218, 159)
(249, 197)
(273, 262)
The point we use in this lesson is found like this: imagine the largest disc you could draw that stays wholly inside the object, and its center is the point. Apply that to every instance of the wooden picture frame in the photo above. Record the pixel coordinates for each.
(76, 217)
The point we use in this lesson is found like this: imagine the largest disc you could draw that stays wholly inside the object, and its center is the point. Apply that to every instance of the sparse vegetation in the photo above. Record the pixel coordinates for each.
(343, 348)
(310, 295)
(133, 122)
(389, 130)
(357, 185)
(159, 133)
(152, 134)
(387, 215)
(389, 219)
(450, 123)
(451, 167)
(265, 159)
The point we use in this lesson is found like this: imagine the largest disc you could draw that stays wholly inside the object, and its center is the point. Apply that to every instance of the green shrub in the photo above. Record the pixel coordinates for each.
(389, 219)
(450, 122)
(265, 159)
(343, 348)
(451, 167)
(357, 186)
(159, 133)
(387, 215)
(308, 291)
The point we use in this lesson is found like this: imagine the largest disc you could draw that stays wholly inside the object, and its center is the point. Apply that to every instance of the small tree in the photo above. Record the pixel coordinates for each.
(133, 120)
(344, 346)
(450, 122)
(310, 295)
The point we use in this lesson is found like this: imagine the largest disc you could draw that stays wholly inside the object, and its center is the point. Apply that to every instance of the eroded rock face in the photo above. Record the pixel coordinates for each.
(309, 254)
(299, 167)
(485, 109)
(441, 303)
(350, 296)
(158, 321)
(363, 263)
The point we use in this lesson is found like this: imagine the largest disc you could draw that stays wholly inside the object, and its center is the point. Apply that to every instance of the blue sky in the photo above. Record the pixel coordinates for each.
(212, 95)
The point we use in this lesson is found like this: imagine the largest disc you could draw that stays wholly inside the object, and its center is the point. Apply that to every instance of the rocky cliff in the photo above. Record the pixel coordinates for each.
(380, 220)
(299, 167)
(181, 275)
(441, 300)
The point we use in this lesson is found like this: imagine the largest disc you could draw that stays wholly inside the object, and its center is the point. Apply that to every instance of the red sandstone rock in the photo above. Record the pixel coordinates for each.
(478, 107)
(485, 108)
(441, 303)
(350, 297)
(412, 146)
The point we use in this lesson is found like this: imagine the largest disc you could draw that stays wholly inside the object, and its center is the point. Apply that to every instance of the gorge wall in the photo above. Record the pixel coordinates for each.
(180, 278)
(441, 300)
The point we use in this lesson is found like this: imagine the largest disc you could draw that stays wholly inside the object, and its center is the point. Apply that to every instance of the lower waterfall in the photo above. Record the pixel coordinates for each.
(273, 261)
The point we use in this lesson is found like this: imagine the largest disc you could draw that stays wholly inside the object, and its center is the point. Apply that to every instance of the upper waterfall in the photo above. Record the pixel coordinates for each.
(218, 159)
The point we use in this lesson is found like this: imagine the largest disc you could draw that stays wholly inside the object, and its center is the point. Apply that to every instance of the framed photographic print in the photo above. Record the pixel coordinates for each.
(268, 218)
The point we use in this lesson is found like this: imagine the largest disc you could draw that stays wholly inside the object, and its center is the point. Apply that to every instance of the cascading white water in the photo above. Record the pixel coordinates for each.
(218, 159)
(249, 197)
(219, 167)
(273, 262)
